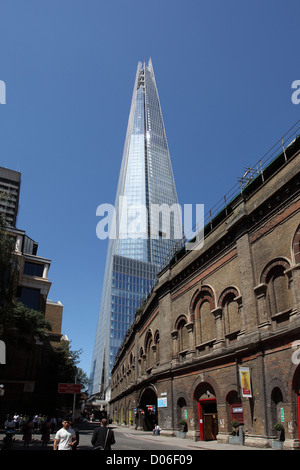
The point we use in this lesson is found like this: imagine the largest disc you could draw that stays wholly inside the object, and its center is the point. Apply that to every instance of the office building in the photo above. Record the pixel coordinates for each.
(136, 254)
(10, 182)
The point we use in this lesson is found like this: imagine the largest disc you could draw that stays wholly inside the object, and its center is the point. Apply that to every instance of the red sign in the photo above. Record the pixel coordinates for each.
(69, 388)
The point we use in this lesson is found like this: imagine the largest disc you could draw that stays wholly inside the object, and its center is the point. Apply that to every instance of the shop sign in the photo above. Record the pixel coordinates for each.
(237, 410)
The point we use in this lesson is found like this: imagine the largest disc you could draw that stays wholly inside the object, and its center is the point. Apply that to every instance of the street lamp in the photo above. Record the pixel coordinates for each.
(2, 390)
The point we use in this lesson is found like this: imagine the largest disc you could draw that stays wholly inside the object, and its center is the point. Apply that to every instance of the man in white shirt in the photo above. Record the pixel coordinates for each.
(65, 438)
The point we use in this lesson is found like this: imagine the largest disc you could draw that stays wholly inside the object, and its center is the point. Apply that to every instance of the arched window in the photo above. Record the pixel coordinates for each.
(231, 314)
(274, 296)
(279, 298)
(183, 341)
(141, 361)
(149, 350)
(156, 342)
(296, 246)
(204, 320)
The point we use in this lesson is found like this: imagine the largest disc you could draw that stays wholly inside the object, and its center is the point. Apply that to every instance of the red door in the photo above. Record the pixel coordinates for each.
(208, 419)
(299, 416)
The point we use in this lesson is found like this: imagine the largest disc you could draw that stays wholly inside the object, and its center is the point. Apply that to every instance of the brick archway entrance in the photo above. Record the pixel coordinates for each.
(207, 411)
(148, 409)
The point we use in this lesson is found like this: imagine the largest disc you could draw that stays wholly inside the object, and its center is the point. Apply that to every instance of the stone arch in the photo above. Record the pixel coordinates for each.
(148, 417)
(205, 291)
(233, 291)
(180, 319)
(205, 379)
(265, 275)
(206, 397)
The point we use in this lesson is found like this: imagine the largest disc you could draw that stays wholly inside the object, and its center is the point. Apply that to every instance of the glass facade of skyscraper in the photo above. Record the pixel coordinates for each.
(136, 254)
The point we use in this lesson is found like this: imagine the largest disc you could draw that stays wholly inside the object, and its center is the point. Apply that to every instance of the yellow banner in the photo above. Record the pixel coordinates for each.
(245, 382)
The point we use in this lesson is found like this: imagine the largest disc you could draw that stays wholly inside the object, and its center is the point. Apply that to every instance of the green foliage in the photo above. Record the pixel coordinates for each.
(182, 422)
(235, 424)
(9, 268)
(278, 427)
(66, 365)
(13, 314)
(25, 320)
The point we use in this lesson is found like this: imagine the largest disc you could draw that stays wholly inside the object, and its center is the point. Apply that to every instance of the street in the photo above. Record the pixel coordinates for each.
(128, 439)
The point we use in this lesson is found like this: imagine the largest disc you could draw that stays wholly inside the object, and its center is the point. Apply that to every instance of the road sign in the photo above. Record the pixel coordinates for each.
(69, 388)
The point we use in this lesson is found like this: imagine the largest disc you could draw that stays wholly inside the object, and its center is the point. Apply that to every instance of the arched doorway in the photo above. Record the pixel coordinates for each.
(148, 409)
(181, 407)
(234, 408)
(296, 392)
(276, 406)
(207, 411)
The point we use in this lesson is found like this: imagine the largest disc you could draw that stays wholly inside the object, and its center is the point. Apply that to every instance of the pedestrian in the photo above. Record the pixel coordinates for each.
(53, 424)
(45, 431)
(103, 437)
(72, 425)
(65, 438)
(16, 420)
(156, 430)
(9, 424)
(27, 432)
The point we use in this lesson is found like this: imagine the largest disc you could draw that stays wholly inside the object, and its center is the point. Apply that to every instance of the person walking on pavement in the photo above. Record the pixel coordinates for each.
(103, 437)
(65, 438)
(45, 431)
(27, 431)
(72, 425)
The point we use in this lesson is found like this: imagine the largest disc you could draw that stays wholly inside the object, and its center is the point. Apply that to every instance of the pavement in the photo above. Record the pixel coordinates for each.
(190, 444)
(86, 430)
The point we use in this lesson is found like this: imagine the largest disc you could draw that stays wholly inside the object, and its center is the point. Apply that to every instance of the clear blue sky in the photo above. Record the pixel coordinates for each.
(224, 71)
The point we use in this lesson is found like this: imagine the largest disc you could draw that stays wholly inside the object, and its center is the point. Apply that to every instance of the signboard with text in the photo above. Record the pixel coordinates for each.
(69, 388)
(162, 402)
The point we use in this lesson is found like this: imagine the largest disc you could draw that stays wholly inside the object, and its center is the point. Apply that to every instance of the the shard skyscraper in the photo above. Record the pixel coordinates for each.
(146, 183)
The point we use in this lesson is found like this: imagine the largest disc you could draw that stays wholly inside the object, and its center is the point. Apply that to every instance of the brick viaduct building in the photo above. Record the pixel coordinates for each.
(233, 304)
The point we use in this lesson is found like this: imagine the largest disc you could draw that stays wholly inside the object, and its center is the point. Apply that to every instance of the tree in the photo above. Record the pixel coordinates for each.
(13, 314)
(8, 265)
(67, 368)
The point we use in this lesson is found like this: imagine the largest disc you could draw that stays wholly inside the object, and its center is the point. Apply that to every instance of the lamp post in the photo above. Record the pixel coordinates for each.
(74, 401)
